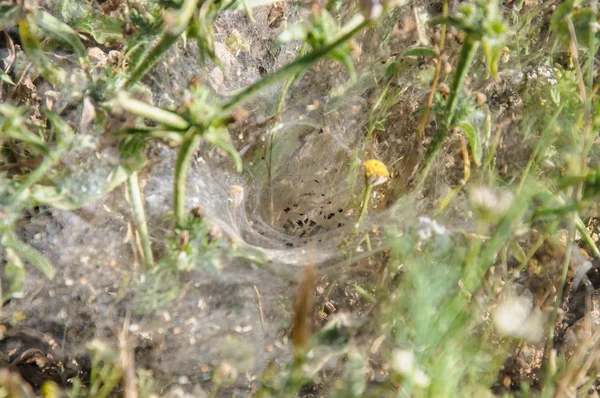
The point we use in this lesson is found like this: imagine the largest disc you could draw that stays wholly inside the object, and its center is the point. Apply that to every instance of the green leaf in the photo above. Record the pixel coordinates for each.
(61, 32)
(102, 29)
(152, 112)
(518, 252)
(29, 253)
(342, 57)
(5, 78)
(561, 12)
(419, 52)
(8, 16)
(474, 141)
(71, 10)
(220, 139)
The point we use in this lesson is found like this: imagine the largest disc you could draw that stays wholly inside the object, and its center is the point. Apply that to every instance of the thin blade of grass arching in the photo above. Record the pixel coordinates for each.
(62, 32)
(219, 138)
(474, 139)
(592, 45)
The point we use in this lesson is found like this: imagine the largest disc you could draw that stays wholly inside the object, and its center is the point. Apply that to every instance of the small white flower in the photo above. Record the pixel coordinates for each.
(491, 201)
(428, 228)
(403, 363)
(515, 316)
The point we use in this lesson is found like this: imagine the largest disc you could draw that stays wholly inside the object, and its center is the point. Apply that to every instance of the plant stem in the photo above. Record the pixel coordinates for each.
(188, 147)
(139, 218)
(586, 236)
(559, 297)
(467, 54)
(170, 36)
(291, 69)
(575, 56)
(363, 209)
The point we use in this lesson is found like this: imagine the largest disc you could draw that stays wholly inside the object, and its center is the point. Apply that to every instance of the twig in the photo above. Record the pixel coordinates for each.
(260, 310)
(575, 55)
(436, 76)
(559, 296)
(127, 360)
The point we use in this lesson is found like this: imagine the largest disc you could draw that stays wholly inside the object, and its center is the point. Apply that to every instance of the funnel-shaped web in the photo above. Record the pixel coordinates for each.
(302, 210)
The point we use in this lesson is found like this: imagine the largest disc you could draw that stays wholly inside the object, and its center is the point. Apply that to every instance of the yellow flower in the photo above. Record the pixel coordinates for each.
(376, 172)
(375, 168)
